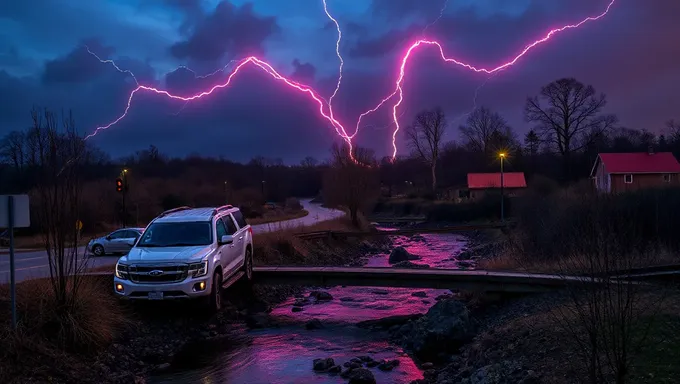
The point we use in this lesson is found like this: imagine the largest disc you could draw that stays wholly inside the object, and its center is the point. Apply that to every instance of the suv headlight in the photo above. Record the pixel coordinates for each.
(198, 269)
(121, 271)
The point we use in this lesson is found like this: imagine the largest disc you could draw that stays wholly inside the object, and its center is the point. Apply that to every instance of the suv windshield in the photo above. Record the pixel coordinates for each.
(177, 234)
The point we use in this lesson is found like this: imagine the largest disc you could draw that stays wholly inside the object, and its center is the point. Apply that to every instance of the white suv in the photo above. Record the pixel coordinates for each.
(187, 253)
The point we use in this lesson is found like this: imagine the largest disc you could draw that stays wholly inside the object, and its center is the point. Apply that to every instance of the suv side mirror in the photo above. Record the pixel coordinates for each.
(130, 242)
(226, 239)
(108, 237)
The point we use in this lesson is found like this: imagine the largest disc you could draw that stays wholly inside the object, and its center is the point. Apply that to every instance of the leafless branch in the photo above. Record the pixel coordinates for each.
(425, 138)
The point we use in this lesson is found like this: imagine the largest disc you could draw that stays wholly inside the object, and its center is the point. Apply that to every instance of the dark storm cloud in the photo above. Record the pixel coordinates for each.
(229, 29)
(396, 9)
(192, 10)
(77, 66)
(303, 72)
(80, 65)
(629, 55)
(386, 44)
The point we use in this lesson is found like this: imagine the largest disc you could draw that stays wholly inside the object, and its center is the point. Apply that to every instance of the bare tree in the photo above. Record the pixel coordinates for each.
(568, 115)
(309, 162)
(58, 152)
(425, 138)
(353, 184)
(484, 128)
(673, 130)
(13, 149)
(532, 143)
(606, 319)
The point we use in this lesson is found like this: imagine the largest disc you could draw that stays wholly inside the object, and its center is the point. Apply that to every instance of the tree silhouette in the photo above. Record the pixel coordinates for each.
(568, 115)
(424, 137)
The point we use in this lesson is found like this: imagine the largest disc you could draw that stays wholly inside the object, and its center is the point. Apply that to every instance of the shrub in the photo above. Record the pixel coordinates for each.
(486, 208)
(86, 325)
(293, 204)
(638, 220)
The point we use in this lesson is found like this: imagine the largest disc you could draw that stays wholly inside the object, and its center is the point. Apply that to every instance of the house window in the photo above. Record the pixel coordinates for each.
(628, 179)
(667, 178)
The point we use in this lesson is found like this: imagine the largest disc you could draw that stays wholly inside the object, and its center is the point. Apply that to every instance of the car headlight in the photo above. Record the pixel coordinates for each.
(121, 271)
(198, 269)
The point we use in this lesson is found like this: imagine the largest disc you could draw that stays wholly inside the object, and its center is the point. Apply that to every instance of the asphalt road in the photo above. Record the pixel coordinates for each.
(31, 265)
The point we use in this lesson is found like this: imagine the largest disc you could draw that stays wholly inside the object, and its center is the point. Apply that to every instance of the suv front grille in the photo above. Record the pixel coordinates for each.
(167, 273)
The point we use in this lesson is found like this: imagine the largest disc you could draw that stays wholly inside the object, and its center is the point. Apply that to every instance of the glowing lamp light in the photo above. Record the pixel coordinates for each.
(119, 287)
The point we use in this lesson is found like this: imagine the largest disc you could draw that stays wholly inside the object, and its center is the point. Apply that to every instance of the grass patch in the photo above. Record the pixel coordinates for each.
(282, 247)
(49, 337)
(535, 337)
(279, 216)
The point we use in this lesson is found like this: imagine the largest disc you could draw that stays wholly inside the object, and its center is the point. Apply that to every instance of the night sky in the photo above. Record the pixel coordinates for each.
(632, 55)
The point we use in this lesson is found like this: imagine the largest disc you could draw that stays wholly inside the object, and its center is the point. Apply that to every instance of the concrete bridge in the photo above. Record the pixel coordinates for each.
(476, 280)
(454, 279)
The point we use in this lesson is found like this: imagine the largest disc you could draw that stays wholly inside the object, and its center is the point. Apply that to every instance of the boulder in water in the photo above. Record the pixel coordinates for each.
(321, 295)
(313, 324)
(401, 254)
(323, 365)
(361, 376)
(444, 329)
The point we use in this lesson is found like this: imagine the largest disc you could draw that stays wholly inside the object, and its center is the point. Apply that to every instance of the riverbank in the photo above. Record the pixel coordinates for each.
(121, 342)
(528, 340)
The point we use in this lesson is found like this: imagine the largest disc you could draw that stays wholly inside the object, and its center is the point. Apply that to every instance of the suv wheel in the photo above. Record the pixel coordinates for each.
(248, 264)
(98, 250)
(216, 292)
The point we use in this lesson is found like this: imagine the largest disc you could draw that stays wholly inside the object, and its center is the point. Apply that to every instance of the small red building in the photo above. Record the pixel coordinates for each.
(619, 172)
(480, 183)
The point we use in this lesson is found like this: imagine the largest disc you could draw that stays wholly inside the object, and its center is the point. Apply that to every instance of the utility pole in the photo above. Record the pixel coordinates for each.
(502, 156)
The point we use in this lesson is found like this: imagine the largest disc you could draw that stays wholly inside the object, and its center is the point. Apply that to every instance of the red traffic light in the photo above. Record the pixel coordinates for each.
(119, 185)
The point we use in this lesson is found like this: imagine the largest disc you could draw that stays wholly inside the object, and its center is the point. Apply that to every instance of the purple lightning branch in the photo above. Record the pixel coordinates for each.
(325, 107)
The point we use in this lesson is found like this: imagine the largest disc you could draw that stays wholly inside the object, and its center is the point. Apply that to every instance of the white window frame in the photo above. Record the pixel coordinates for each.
(666, 177)
(626, 180)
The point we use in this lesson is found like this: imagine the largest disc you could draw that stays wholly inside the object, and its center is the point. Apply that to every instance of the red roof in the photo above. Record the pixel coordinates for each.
(641, 162)
(493, 180)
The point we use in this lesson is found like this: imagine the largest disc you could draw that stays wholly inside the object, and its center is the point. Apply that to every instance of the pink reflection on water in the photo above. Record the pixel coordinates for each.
(284, 355)
(436, 250)
(287, 358)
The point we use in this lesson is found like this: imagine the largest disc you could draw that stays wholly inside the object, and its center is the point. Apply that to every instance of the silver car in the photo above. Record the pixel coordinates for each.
(120, 241)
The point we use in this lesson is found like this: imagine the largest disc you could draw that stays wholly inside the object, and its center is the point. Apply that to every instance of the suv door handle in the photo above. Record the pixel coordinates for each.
(240, 238)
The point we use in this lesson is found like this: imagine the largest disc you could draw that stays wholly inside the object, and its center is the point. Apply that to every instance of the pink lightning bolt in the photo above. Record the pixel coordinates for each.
(340, 130)
(113, 63)
(337, 52)
(400, 80)
(250, 60)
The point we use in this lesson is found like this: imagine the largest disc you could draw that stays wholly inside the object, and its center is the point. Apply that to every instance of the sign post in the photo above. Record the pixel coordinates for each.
(14, 213)
(79, 227)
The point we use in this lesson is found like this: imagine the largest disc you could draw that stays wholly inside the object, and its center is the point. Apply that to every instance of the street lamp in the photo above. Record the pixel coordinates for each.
(502, 157)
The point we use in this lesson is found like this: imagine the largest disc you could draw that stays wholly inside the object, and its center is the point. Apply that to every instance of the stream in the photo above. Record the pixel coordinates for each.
(284, 355)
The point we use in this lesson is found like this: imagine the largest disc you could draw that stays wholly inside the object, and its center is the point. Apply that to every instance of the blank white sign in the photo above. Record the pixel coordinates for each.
(22, 216)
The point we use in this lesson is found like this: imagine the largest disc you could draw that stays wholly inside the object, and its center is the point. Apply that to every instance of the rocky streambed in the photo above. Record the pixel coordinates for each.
(318, 334)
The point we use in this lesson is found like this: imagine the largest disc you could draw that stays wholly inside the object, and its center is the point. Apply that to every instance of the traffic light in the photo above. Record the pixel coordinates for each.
(119, 185)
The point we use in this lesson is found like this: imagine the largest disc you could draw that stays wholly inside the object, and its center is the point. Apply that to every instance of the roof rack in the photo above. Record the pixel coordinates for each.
(222, 208)
(169, 211)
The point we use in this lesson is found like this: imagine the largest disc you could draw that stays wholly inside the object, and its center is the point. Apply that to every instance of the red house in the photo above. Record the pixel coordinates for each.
(619, 172)
(481, 183)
